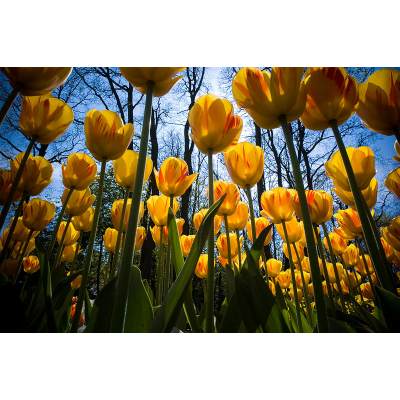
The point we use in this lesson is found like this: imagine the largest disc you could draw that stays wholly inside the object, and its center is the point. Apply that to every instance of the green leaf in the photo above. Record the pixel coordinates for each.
(167, 314)
(148, 290)
(231, 316)
(338, 326)
(139, 312)
(389, 304)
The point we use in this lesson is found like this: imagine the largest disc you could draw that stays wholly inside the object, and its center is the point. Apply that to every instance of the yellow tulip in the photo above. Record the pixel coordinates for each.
(19, 246)
(214, 125)
(44, 118)
(294, 230)
(320, 205)
(310, 289)
(37, 214)
(283, 279)
(116, 213)
(277, 205)
(110, 239)
(245, 164)
(232, 197)
(35, 81)
(339, 244)
(397, 150)
(362, 160)
(198, 219)
(266, 96)
(305, 264)
(391, 238)
(6, 180)
(76, 283)
(71, 235)
(31, 264)
(36, 174)
(180, 222)
(370, 194)
(79, 201)
(140, 237)
(274, 267)
(396, 258)
(158, 235)
(186, 242)
(303, 240)
(68, 253)
(79, 172)
(238, 220)
(346, 235)
(299, 293)
(331, 96)
(106, 137)
(201, 270)
(125, 169)
(388, 249)
(293, 247)
(379, 101)
(261, 224)
(158, 209)
(299, 280)
(21, 232)
(331, 272)
(366, 291)
(349, 221)
(351, 255)
(392, 181)
(352, 279)
(344, 286)
(271, 287)
(222, 244)
(162, 79)
(84, 221)
(173, 178)
(364, 265)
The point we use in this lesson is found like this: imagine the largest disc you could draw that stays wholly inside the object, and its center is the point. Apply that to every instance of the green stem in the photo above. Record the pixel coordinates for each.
(373, 248)
(228, 241)
(322, 319)
(61, 244)
(295, 294)
(78, 245)
(7, 104)
(123, 277)
(229, 268)
(210, 250)
(238, 244)
(89, 252)
(252, 217)
(21, 255)
(13, 190)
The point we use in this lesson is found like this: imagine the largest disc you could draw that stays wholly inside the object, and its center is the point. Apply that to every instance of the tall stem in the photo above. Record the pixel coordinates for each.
(228, 241)
(252, 217)
(210, 250)
(322, 319)
(61, 244)
(7, 104)
(21, 255)
(89, 252)
(17, 178)
(373, 248)
(238, 244)
(122, 284)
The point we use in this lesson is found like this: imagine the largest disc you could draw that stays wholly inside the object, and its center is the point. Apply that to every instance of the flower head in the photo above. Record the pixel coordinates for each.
(350, 222)
(222, 244)
(68, 253)
(277, 205)
(31, 264)
(37, 214)
(293, 228)
(232, 197)
(6, 180)
(79, 201)
(199, 216)
(70, 236)
(140, 237)
(370, 194)
(158, 207)
(392, 181)
(201, 270)
(261, 223)
(84, 221)
(320, 205)
(110, 239)
(238, 220)
(116, 213)
(339, 244)
(186, 242)
(79, 172)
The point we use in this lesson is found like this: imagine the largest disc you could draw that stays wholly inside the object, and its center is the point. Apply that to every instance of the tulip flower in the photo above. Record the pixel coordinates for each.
(36, 81)
(379, 102)
(84, 221)
(31, 264)
(362, 161)
(273, 267)
(392, 181)
(125, 169)
(352, 279)
(158, 209)
(180, 222)
(44, 118)
(21, 232)
(349, 221)
(140, 237)
(397, 150)
(201, 270)
(173, 178)
(159, 233)
(370, 194)
(388, 249)
(296, 248)
(364, 265)
(299, 279)
(305, 265)
(232, 197)
(271, 287)
(162, 79)
(76, 283)
(222, 245)
(79, 201)
(366, 291)
(392, 236)
(261, 223)
(294, 230)
(331, 272)
(198, 219)
(284, 279)
(23, 248)
(351, 255)
(266, 96)
(70, 236)
(320, 205)
(79, 172)
(186, 242)
(116, 213)
(106, 137)
(303, 240)
(69, 252)
(36, 173)
(6, 180)
(277, 205)
(292, 293)
(331, 96)
(339, 245)
(214, 125)
(110, 239)
(37, 214)
(238, 220)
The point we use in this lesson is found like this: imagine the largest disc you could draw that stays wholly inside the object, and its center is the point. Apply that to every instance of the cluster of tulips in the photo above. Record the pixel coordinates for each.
(335, 259)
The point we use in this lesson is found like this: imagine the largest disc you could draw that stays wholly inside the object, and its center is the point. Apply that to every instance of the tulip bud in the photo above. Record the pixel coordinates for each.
(277, 205)
(159, 233)
(261, 223)
(186, 244)
(293, 248)
(238, 220)
(71, 236)
(391, 233)
(339, 245)
(320, 205)
(392, 181)
(79, 172)
(198, 219)
(31, 264)
(222, 244)
(299, 280)
(232, 197)
(364, 265)
(158, 209)
(79, 201)
(366, 291)
(37, 214)
(349, 221)
(273, 267)
(84, 221)
(116, 213)
(6, 180)
(140, 237)
(293, 228)
(110, 239)
(284, 279)
(351, 255)
(68, 253)
(201, 270)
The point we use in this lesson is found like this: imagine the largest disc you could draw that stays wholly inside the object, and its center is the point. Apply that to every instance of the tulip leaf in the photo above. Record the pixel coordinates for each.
(389, 304)
(338, 326)
(231, 316)
(139, 311)
(166, 315)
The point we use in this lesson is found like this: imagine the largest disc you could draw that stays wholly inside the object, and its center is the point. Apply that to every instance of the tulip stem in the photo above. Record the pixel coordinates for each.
(229, 271)
(365, 263)
(373, 248)
(17, 178)
(210, 250)
(22, 255)
(239, 249)
(76, 252)
(252, 218)
(295, 294)
(61, 244)
(123, 277)
(228, 241)
(58, 222)
(7, 104)
(322, 319)
(89, 252)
